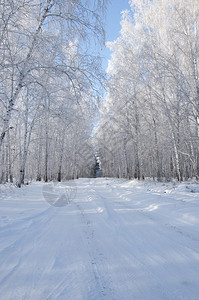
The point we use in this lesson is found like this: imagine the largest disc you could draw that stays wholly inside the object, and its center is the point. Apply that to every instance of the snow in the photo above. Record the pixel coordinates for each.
(116, 239)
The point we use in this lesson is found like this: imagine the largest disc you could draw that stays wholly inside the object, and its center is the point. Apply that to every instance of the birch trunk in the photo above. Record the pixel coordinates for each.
(59, 176)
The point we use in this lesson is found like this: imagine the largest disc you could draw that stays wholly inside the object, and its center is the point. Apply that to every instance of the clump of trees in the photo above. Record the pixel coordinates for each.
(49, 78)
(149, 123)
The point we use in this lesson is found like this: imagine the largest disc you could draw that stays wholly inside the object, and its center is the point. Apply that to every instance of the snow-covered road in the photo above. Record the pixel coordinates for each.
(115, 240)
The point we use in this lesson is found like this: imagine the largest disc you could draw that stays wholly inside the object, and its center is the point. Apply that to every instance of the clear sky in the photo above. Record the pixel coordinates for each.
(113, 23)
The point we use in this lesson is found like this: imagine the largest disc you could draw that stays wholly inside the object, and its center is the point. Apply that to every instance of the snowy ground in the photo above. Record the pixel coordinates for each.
(119, 240)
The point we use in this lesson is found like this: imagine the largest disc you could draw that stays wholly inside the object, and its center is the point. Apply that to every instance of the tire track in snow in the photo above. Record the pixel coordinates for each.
(131, 245)
(181, 249)
(98, 261)
(111, 219)
(101, 247)
(19, 251)
(158, 217)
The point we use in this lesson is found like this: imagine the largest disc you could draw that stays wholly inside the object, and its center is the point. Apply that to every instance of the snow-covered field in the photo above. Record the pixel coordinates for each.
(111, 239)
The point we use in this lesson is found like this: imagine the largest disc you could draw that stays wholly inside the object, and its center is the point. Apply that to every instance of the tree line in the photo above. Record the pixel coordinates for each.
(50, 76)
(149, 121)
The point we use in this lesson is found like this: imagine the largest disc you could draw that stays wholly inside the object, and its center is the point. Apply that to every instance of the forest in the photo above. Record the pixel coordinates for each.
(50, 81)
(149, 124)
(58, 108)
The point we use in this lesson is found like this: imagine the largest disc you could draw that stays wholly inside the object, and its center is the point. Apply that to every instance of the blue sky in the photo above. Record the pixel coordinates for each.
(113, 27)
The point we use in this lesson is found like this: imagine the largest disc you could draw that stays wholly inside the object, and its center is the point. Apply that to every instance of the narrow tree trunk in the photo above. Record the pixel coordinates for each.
(38, 177)
(126, 159)
(136, 147)
(27, 138)
(159, 168)
(46, 140)
(46, 160)
(59, 176)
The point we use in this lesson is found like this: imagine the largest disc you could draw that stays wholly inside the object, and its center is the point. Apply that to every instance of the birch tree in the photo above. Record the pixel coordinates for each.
(154, 67)
(50, 74)
(28, 27)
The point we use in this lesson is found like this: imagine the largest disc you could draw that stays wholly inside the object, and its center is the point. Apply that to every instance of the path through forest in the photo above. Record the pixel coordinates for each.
(114, 240)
